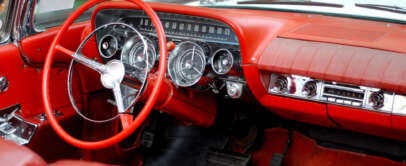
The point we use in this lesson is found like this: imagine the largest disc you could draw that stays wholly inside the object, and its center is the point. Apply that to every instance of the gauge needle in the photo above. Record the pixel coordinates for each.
(193, 56)
(197, 70)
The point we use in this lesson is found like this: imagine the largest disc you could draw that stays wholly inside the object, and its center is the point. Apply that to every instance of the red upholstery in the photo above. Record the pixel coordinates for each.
(305, 152)
(13, 154)
(76, 163)
(16, 155)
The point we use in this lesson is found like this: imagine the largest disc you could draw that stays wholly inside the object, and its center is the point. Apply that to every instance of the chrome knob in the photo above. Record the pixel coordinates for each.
(3, 84)
(281, 84)
(234, 89)
(376, 100)
(310, 89)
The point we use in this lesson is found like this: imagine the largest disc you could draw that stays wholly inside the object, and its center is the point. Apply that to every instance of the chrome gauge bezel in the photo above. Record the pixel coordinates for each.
(215, 54)
(116, 47)
(134, 43)
(175, 62)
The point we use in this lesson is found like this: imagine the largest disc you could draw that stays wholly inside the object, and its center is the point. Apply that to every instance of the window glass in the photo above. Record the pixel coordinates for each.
(3, 18)
(50, 13)
(385, 10)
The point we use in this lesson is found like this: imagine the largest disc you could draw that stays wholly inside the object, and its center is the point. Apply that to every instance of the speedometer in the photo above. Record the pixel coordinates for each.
(187, 63)
(133, 53)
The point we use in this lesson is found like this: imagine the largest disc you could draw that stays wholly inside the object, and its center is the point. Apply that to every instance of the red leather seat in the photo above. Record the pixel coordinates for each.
(76, 163)
(16, 155)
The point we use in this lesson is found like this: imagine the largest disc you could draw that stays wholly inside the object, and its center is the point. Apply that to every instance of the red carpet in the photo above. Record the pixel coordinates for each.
(305, 152)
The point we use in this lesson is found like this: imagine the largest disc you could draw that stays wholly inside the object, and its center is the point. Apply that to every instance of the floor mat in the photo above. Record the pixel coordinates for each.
(305, 152)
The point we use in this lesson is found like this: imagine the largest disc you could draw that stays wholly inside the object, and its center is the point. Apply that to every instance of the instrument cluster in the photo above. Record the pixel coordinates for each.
(205, 50)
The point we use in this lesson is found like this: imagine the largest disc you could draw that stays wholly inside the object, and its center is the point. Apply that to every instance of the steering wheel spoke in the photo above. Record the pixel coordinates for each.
(118, 97)
(92, 64)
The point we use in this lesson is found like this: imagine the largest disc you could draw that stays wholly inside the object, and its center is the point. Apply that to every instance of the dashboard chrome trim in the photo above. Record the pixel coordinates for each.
(399, 105)
(122, 15)
(393, 103)
(193, 39)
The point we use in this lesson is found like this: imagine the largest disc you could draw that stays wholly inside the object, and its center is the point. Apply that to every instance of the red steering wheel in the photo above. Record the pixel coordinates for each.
(112, 74)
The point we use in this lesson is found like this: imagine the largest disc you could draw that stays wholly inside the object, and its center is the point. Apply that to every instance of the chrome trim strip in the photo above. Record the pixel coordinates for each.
(27, 122)
(393, 103)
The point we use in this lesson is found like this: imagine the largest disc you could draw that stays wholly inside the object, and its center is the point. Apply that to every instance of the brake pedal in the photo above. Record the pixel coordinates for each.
(217, 157)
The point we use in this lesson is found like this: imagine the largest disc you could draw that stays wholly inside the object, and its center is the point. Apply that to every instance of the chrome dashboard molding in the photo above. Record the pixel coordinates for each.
(393, 103)
(399, 105)
(192, 39)
(164, 16)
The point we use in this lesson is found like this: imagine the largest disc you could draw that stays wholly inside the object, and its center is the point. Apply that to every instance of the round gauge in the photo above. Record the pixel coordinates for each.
(108, 46)
(222, 61)
(133, 53)
(187, 63)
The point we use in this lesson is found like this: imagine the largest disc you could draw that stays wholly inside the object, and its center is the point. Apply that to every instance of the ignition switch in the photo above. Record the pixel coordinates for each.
(234, 88)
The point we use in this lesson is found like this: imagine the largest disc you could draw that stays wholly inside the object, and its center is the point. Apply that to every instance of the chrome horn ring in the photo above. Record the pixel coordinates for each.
(112, 75)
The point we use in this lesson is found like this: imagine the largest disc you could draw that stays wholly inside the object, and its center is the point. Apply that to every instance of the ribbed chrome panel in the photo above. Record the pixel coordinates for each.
(338, 93)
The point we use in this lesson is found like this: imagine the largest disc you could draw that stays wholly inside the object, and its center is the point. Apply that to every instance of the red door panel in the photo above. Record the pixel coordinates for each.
(25, 83)
(36, 47)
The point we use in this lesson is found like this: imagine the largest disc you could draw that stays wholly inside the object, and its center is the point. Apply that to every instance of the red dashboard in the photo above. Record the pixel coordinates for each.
(351, 51)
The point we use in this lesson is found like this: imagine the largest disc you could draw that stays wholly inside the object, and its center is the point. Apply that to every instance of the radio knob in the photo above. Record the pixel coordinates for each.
(310, 89)
(281, 84)
(376, 100)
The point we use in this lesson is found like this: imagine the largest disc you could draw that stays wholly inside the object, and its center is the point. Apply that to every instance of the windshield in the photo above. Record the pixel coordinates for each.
(3, 19)
(380, 9)
(50, 13)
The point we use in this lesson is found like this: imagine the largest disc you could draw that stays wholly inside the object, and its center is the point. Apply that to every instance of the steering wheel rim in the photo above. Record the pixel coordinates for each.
(143, 114)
